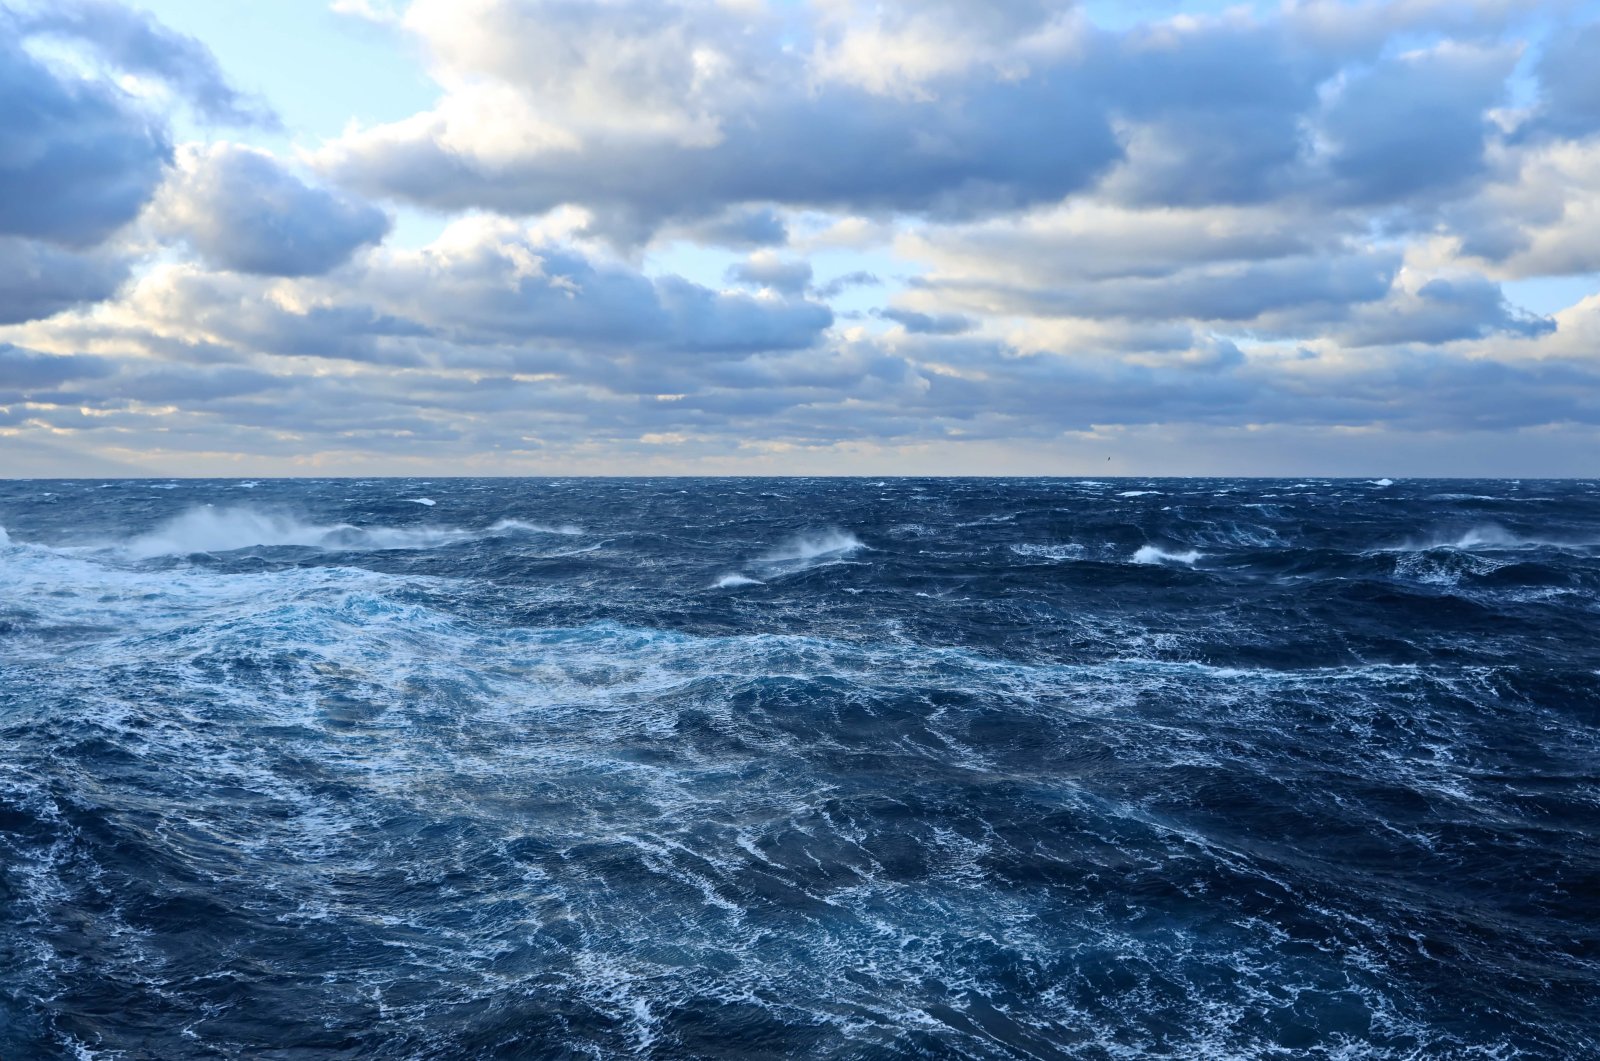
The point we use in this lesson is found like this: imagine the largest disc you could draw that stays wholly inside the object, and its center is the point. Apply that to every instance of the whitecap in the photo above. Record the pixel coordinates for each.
(1381, 482)
(1138, 493)
(517, 526)
(1064, 551)
(733, 581)
(1487, 537)
(1149, 554)
(814, 545)
(221, 530)
(430, 502)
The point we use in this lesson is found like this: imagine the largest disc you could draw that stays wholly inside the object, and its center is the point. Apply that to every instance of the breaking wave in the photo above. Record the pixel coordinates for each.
(1150, 554)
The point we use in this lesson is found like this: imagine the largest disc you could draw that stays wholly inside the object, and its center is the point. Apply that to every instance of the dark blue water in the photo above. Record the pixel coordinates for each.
(799, 768)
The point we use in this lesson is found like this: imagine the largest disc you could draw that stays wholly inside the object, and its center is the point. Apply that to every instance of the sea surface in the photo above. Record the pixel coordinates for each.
(799, 768)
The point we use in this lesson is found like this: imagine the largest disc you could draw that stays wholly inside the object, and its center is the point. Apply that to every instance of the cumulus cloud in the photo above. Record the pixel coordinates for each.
(132, 40)
(650, 112)
(241, 209)
(766, 269)
(77, 159)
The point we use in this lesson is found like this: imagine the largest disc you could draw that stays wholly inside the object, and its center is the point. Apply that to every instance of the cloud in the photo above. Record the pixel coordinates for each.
(39, 280)
(23, 370)
(487, 281)
(1441, 310)
(1415, 124)
(651, 112)
(1569, 83)
(1299, 219)
(845, 281)
(929, 323)
(77, 159)
(765, 269)
(134, 41)
(240, 209)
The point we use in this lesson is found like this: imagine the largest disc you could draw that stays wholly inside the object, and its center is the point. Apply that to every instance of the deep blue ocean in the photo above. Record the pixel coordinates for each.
(799, 768)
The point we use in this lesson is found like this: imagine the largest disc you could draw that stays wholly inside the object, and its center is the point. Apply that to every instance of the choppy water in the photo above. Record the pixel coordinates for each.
(799, 768)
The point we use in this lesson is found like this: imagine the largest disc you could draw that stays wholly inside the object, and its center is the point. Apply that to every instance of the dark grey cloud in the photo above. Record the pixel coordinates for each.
(844, 282)
(929, 323)
(1414, 124)
(39, 280)
(740, 228)
(77, 159)
(240, 209)
(23, 371)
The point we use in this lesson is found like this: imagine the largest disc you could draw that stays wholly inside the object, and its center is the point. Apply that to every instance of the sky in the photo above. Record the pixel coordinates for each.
(770, 237)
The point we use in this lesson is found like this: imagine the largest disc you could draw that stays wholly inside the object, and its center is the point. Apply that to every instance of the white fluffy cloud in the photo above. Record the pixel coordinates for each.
(241, 209)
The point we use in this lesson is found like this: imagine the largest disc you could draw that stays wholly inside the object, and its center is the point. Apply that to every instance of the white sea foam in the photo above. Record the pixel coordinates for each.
(1064, 551)
(732, 581)
(1138, 493)
(1149, 554)
(5, 539)
(1381, 482)
(430, 502)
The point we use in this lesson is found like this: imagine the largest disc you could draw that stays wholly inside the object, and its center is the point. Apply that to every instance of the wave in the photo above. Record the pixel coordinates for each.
(1149, 554)
(1138, 493)
(1381, 482)
(428, 501)
(815, 546)
(222, 530)
(1488, 537)
(1067, 551)
(734, 581)
(517, 526)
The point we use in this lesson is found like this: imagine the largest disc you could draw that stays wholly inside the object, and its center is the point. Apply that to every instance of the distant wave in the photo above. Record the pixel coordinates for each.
(221, 530)
(1065, 551)
(1381, 482)
(1488, 537)
(807, 550)
(517, 526)
(815, 545)
(1149, 554)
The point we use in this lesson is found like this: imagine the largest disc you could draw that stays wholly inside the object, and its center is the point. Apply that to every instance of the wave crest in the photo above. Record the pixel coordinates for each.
(1150, 554)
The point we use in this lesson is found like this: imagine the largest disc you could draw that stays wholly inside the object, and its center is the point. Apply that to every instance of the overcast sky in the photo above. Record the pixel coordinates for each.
(294, 237)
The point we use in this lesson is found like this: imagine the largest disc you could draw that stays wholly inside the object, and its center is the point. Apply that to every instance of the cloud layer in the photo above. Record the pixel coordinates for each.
(741, 235)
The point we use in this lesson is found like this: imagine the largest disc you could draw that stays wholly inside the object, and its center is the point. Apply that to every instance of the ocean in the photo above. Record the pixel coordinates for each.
(799, 768)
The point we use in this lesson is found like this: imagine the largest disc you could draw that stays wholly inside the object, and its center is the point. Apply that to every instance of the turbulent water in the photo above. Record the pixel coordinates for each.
(799, 768)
